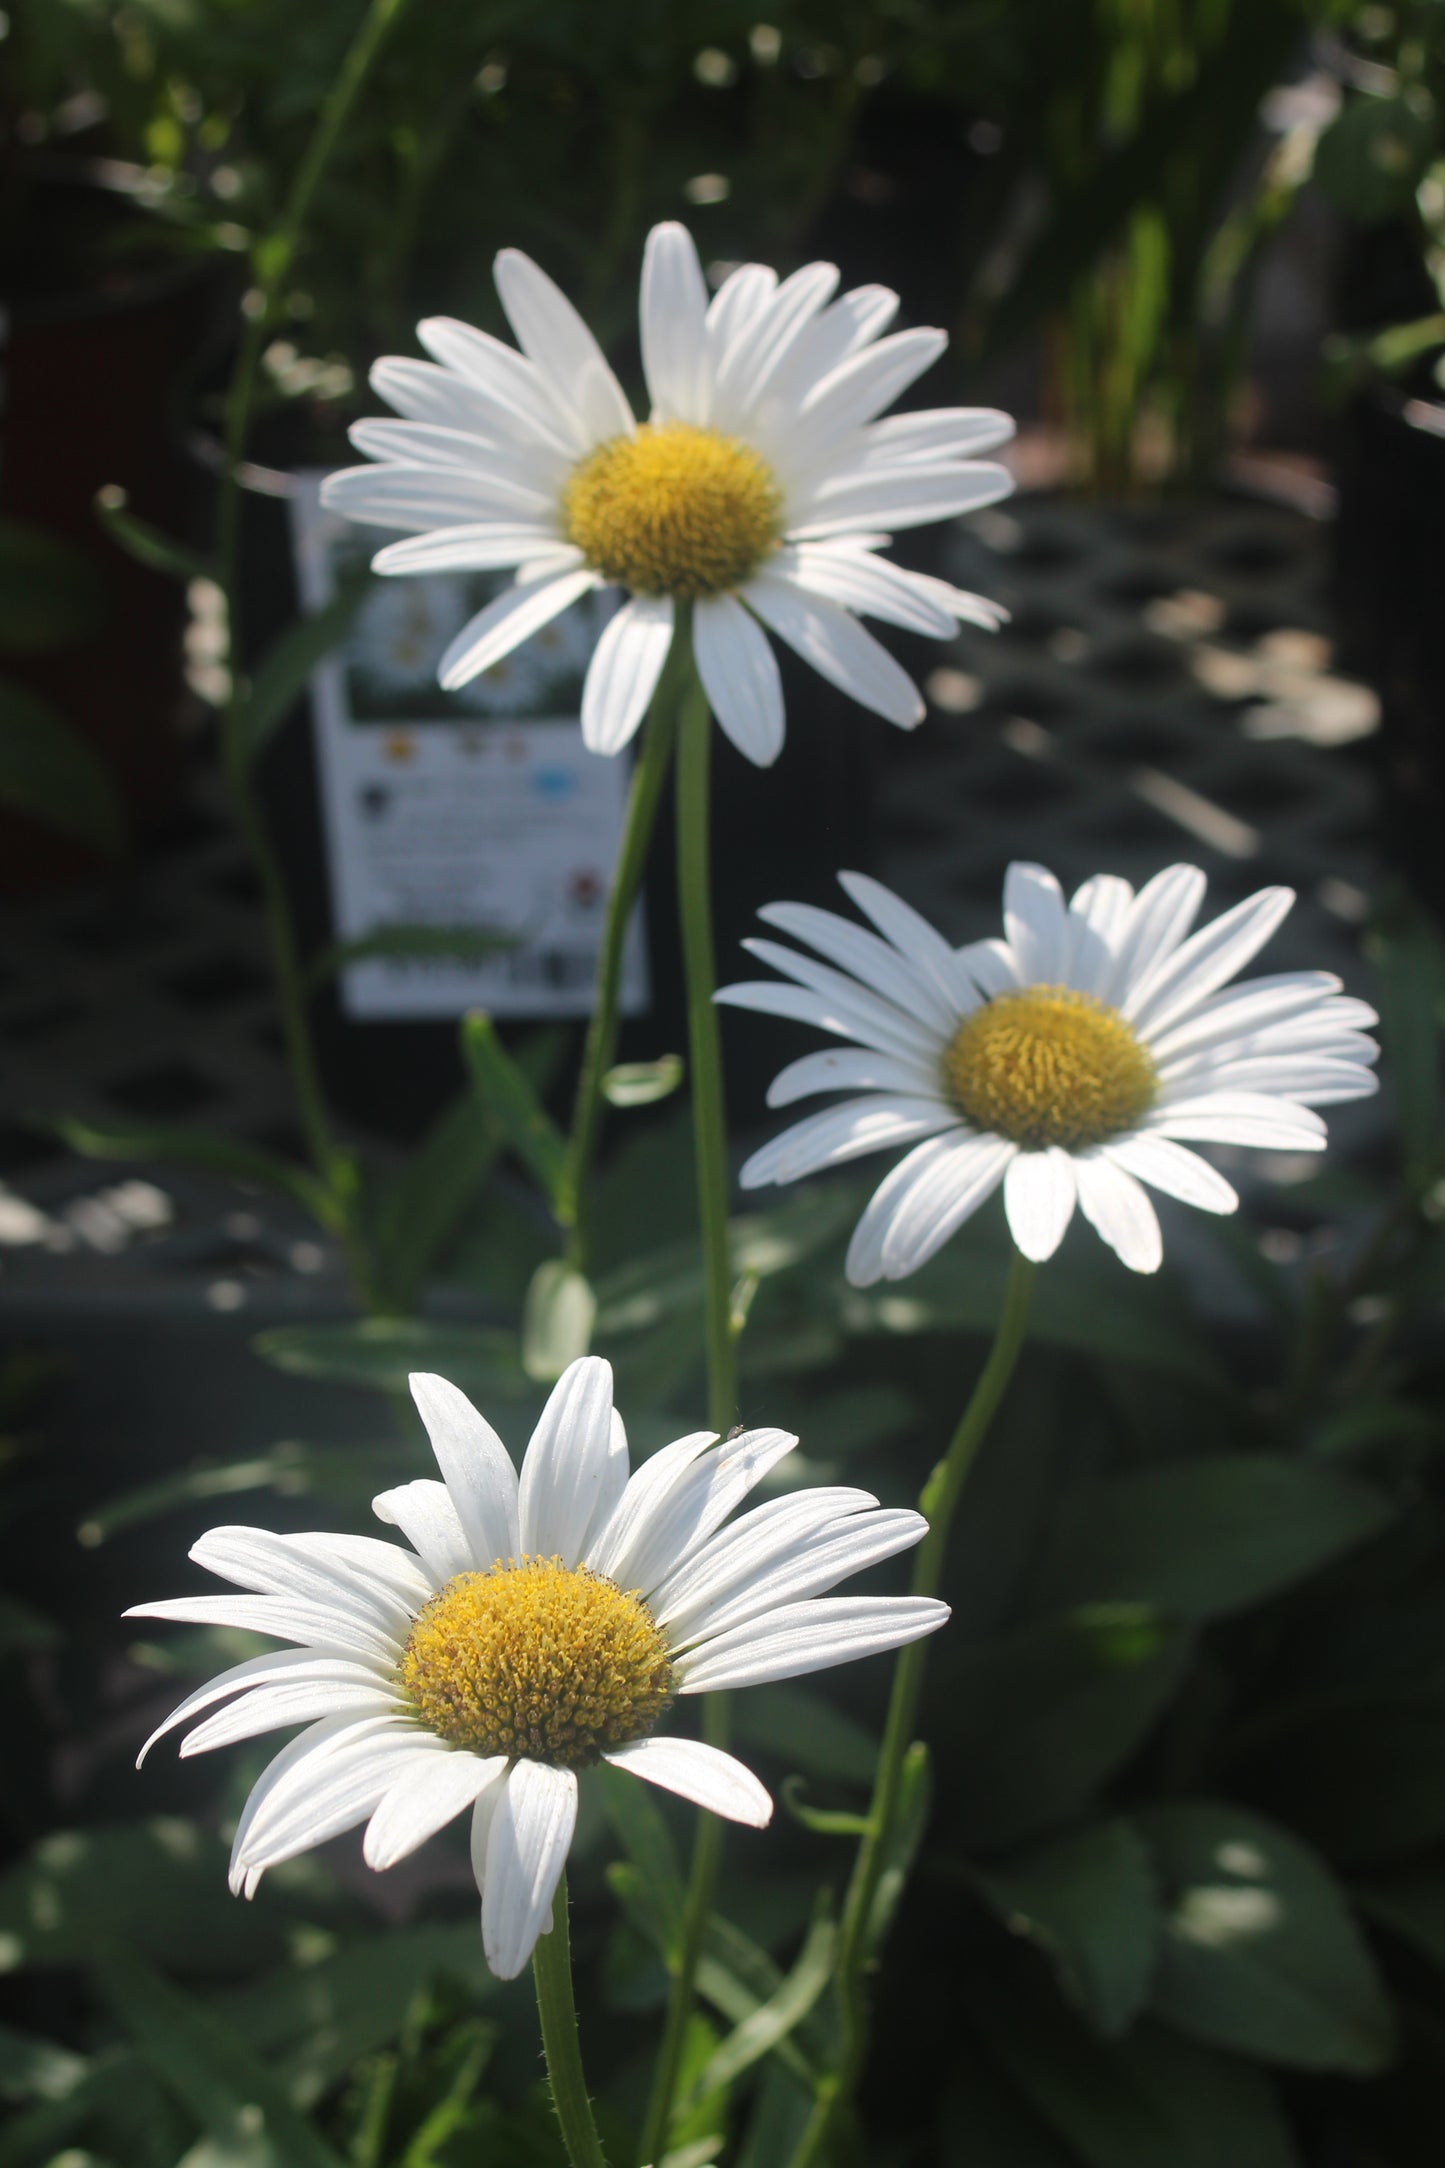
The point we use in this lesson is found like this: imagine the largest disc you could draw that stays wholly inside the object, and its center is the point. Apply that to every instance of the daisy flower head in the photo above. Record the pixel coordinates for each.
(1075, 1060)
(528, 1627)
(758, 493)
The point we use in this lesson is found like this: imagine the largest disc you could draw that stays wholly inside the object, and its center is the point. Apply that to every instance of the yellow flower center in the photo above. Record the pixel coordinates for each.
(1049, 1066)
(673, 511)
(537, 1658)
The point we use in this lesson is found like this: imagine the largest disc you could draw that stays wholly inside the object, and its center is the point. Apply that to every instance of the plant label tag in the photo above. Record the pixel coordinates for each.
(471, 837)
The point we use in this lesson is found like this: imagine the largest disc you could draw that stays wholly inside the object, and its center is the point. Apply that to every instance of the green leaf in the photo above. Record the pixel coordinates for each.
(1370, 160)
(289, 1469)
(144, 542)
(408, 943)
(382, 1352)
(427, 1199)
(557, 1319)
(35, 2069)
(281, 677)
(1201, 1538)
(50, 594)
(781, 2111)
(1360, 1776)
(900, 1849)
(1409, 960)
(663, 1284)
(312, 2023)
(1039, 1721)
(53, 775)
(206, 1148)
(1151, 2100)
(639, 1826)
(1412, 1905)
(763, 2031)
(824, 1821)
(985, 2123)
(643, 1083)
(807, 1733)
(157, 1886)
(510, 1099)
(231, 2093)
(1259, 1952)
(738, 1979)
(1090, 1902)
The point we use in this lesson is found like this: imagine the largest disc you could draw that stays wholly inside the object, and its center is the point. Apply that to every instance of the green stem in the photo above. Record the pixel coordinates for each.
(272, 263)
(642, 802)
(694, 753)
(938, 1503)
(552, 1977)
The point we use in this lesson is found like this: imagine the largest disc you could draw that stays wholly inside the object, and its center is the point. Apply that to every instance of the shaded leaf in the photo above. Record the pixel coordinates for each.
(900, 1847)
(1409, 960)
(807, 1733)
(382, 1352)
(1361, 1777)
(50, 594)
(1038, 1722)
(643, 1083)
(407, 943)
(35, 2069)
(1260, 1953)
(1202, 1538)
(231, 2093)
(1370, 160)
(143, 541)
(1090, 1902)
(187, 1147)
(53, 775)
(1412, 1905)
(639, 1825)
(289, 1469)
(280, 678)
(556, 1320)
(513, 1104)
(764, 2029)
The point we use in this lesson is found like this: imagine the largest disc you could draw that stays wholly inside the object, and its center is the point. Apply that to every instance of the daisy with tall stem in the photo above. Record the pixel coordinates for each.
(1072, 1062)
(757, 498)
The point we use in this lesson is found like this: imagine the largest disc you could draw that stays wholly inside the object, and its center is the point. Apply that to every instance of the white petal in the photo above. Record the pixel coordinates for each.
(313, 1746)
(879, 965)
(842, 1133)
(334, 1782)
(381, 1583)
(426, 1516)
(1036, 923)
(1170, 1167)
(418, 498)
(703, 1774)
(508, 620)
(843, 1018)
(739, 673)
(476, 1468)
(566, 1468)
(736, 306)
(882, 1017)
(1237, 1011)
(917, 1207)
(430, 1792)
(838, 648)
(760, 349)
(508, 380)
(291, 1701)
(1116, 1205)
(808, 1570)
(1239, 1118)
(893, 497)
(921, 943)
(1098, 915)
(425, 393)
(937, 433)
(992, 965)
(835, 1069)
(647, 1492)
(277, 1664)
(674, 327)
(527, 1847)
(622, 676)
(566, 356)
(321, 1627)
(708, 1492)
(1159, 918)
(483, 546)
(483, 1815)
(802, 1637)
(749, 1548)
(1205, 961)
(1312, 1078)
(1038, 1196)
(872, 586)
(431, 444)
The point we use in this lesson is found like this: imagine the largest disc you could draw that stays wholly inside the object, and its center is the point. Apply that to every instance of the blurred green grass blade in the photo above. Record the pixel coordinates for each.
(145, 542)
(512, 1101)
(280, 678)
(188, 1147)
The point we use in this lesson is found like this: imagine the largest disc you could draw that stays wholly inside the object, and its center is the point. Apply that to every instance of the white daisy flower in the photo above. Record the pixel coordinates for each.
(1074, 1060)
(759, 491)
(533, 1628)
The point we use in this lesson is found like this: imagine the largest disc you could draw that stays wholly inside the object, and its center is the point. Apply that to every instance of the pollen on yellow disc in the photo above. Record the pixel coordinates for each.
(673, 511)
(537, 1658)
(1048, 1066)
